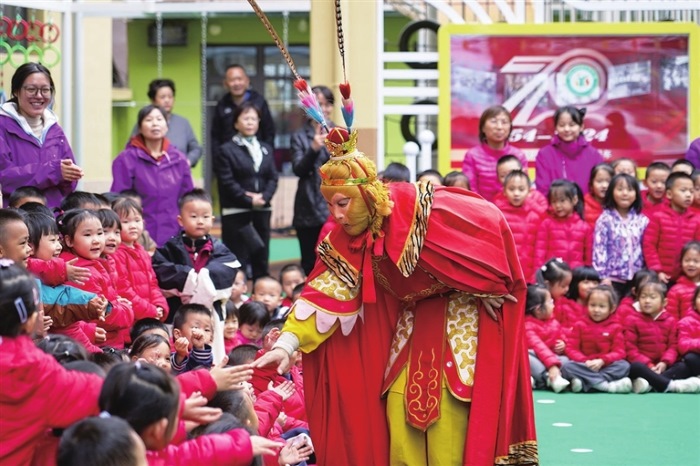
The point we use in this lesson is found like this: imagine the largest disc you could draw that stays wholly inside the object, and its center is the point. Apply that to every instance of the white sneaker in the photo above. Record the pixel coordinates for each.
(576, 385)
(623, 385)
(559, 384)
(691, 385)
(640, 385)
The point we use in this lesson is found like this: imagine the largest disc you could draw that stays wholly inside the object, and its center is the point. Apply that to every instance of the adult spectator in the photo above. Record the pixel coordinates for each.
(237, 82)
(247, 179)
(156, 170)
(161, 92)
(308, 154)
(693, 154)
(34, 151)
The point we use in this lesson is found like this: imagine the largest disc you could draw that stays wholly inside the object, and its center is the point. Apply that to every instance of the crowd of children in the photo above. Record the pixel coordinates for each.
(110, 350)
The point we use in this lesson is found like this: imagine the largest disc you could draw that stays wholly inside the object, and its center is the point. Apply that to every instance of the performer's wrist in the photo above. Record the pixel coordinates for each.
(288, 342)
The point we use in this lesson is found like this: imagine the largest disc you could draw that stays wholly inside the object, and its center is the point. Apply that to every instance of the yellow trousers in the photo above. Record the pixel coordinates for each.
(441, 445)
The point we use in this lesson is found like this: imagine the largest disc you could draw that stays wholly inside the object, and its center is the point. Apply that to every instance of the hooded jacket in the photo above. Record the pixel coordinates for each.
(26, 160)
(160, 183)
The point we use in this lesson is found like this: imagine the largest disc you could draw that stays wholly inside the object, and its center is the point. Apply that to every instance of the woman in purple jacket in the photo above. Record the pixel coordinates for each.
(34, 151)
(569, 156)
(157, 171)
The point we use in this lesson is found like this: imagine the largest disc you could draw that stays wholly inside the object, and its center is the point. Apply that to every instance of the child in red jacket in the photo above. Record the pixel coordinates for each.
(629, 305)
(101, 440)
(564, 233)
(598, 184)
(535, 200)
(670, 228)
(133, 264)
(545, 340)
(680, 296)
(655, 181)
(689, 337)
(573, 308)
(149, 400)
(651, 345)
(596, 347)
(36, 393)
(522, 219)
(84, 238)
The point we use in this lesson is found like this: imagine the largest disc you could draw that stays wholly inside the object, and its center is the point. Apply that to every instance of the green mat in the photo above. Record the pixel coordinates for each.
(601, 429)
(284, 250)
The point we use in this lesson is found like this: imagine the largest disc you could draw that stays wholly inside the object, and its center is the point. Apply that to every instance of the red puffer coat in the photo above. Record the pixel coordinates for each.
(523, 222)
(121, 317)
(568, 312)
(137, 281)
(668, 231)
(569, 238)
(38, 394)
(689, 333)
(230, 449)
(680, 297)
(651, 341)
(541, 337)
(596, 340)
(591, 210)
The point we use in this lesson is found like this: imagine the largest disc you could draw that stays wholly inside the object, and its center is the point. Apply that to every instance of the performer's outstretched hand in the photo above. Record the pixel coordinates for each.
(495, 303)
(276, 356)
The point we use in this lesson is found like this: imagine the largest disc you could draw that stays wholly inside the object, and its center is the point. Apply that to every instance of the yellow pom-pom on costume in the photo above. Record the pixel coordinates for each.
(349, 169)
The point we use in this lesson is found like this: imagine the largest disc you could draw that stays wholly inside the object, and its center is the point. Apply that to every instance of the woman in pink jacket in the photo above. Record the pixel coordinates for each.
(480, 162)
(36, 393)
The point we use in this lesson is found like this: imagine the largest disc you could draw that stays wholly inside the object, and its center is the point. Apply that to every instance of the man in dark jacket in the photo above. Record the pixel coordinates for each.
(237, 82)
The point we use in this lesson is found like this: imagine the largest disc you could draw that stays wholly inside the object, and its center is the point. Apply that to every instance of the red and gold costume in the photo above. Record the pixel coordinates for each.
(406, 301)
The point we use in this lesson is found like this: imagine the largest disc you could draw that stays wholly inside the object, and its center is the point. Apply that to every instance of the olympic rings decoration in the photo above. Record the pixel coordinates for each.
(31, 31)
(39, 38)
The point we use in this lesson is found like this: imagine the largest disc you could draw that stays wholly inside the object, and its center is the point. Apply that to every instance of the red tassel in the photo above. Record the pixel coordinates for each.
(344, 90)
(301, 85)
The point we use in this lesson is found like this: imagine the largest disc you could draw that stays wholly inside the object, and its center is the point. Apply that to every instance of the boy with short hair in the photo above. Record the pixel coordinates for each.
(268, 291)
(535, 200)
(24, 194)
(670, 227)
(193, 267)
(655, 181)
(192, 335)
(290, 276)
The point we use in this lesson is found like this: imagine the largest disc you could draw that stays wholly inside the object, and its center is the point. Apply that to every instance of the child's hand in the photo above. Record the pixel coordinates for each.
(98, 306)
(47, 323)
(182, 347)
(263, 446)
(281, 419)
(159, 312)
(285, 389)
(198, 339)
(230, 377)
(100, 335)
(663, 278)
(271, 338)
(659, 368)
(553, 372)
(293, 454)
(124, 301)
(595, 364)
(76, 274)
(196, 410)
(559, 346)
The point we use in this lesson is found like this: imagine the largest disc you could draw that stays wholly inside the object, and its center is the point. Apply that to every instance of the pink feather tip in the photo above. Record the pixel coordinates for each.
(344, 90)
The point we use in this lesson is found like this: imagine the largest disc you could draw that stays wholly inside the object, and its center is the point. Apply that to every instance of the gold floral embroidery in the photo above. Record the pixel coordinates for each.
(462, 334)
(333, 287)
(414, 394)
(404, 330)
